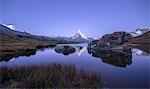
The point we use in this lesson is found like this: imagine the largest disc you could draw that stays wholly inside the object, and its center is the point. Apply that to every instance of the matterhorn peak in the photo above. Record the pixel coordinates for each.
(79, 34)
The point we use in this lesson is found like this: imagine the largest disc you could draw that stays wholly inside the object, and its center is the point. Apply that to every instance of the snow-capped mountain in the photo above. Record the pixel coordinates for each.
(10, 32)
(79, 34)
(11, 26)
(78, 37)
(139, 32)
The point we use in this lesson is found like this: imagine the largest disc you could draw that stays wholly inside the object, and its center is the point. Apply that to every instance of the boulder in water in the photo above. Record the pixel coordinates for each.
(66, 50)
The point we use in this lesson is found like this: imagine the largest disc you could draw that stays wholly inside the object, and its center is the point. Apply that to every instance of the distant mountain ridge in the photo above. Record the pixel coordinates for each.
(79, 37)
(139, 31)
(9, 32)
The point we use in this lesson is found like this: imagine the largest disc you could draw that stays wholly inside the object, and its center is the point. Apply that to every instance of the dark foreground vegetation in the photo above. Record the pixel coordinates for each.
(50, 76)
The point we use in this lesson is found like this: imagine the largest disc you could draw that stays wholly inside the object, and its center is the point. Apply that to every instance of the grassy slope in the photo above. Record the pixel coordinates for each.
(14, 42)
(14, 46)
(142, 39)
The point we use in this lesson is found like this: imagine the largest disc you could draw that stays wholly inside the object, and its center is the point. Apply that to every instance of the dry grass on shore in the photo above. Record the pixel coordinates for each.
(13, 46)
(50, 76)
(15, 43)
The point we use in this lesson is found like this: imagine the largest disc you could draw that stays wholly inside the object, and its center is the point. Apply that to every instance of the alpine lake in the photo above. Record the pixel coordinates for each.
(129, 69)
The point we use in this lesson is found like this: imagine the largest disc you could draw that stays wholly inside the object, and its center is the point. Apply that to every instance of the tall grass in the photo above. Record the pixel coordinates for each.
(50, 76)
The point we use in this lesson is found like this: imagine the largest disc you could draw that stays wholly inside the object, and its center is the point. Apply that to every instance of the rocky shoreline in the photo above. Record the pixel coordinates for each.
(119, 41)
(112, 41)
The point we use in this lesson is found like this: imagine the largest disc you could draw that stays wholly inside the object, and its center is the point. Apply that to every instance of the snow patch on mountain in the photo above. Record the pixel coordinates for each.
(79, 34)
(139, 32)
(78, 37)
(11, 26)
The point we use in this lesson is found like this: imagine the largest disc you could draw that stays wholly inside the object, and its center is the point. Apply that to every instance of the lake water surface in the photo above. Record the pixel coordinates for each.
(117, 71)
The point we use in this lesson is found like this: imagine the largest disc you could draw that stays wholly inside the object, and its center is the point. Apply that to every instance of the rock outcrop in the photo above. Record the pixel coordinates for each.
(66, 50)
(111, 40)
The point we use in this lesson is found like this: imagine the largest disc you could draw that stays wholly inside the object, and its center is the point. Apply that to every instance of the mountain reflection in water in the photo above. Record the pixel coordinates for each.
(129, 65)
(79, 49)
(144, 48)
(120, 58)
(11, 55)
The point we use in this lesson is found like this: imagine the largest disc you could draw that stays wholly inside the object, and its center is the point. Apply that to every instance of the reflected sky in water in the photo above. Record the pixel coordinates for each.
(133, 75)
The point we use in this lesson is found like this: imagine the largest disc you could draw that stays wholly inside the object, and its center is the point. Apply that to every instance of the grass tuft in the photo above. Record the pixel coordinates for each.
(50, 76)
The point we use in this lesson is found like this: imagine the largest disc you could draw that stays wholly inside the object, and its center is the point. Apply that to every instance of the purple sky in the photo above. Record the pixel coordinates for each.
(64, 17)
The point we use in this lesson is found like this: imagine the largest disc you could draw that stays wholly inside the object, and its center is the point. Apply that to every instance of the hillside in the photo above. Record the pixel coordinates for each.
(14, 43)
(142, 39)
(12, 37)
